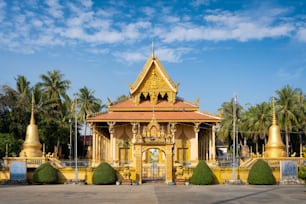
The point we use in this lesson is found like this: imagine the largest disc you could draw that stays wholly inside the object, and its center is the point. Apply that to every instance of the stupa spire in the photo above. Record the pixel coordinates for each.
(31, 146)
(273, 112)
(274, 147)
(32, 121)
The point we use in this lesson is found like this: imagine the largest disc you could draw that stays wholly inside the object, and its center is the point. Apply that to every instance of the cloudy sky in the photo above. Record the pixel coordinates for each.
(215, 49)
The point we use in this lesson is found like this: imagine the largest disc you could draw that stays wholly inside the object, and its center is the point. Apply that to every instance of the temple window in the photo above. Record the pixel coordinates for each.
(124, 148)
(182, 154)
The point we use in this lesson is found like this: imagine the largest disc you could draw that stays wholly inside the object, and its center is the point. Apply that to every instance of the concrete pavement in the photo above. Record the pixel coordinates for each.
(152, 193)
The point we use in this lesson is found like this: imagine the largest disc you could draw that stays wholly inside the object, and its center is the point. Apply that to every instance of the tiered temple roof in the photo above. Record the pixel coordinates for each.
(153, 92)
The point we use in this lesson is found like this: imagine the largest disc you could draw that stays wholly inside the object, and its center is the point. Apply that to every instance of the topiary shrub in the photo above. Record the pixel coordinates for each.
(261, 174)
(45, 174)
(302, 173)
(202, 175)
(104, 174)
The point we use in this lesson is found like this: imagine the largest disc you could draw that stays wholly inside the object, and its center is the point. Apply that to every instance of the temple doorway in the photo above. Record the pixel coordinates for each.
(153, 165)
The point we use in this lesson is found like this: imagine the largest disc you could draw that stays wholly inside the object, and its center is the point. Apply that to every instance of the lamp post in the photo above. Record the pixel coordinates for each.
(234, 139)
(76, 142)
(70, 140)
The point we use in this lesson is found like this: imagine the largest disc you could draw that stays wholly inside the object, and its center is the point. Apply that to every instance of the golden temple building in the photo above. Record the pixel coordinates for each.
(153, 131)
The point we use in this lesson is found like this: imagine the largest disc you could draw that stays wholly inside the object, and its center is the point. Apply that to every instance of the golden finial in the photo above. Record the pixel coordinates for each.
(152, 48)
(32, 121)
(273, 112)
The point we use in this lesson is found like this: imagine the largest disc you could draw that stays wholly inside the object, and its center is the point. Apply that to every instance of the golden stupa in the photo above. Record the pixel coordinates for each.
(275, 147)
(31, 146)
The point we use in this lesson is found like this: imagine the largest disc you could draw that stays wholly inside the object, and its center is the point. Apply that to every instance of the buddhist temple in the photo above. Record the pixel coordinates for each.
(153, 131)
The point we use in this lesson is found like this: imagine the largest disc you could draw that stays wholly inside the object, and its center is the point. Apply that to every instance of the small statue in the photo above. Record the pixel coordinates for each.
(179, 171)
(126, 173)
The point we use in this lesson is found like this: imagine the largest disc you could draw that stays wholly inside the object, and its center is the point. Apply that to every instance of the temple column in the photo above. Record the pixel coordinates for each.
(94, 145)
(138, 166)
(213, 135)
(135, 130)
(98, 142)
(169, 163)
(195, 143)
(210, 145)
(113, 152)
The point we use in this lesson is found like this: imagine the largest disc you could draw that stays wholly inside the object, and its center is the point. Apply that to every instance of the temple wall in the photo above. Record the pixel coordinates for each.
(65, 174)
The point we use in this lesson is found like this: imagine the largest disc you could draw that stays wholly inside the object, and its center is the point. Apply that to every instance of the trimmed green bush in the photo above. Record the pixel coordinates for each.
(45, 174)
(104, 174)
(202, 175)
(261, 174)
(302, 173)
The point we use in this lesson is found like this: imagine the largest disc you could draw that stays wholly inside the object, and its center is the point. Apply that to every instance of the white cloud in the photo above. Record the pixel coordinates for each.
(130, 57)
(2, 10)
(301, 34)
(173, 55)
(86, 3)
(227, 26)
(55, 9)
(197, 3)
(57, 23)
(289, 75)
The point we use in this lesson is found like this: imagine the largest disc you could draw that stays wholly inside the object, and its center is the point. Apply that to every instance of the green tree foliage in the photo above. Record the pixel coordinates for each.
(287, 102)
(226, 130)
(45, 174)
(302, 173)
(261, 174)
(104, 174)
(14, 145)
(258, 120)
(202, 175)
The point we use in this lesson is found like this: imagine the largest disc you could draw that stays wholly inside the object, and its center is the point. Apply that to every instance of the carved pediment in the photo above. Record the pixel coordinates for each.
(153, 83)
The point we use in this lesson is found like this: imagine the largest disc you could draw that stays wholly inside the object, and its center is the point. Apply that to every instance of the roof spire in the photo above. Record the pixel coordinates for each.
(153, 48)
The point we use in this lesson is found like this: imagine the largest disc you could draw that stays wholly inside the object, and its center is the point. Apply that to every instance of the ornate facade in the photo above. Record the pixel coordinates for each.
(154, 130)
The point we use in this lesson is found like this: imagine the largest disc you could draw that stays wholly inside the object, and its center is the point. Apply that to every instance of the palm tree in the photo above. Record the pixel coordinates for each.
(257, 120)
(226, 111)
(87, 104)
(18, 102)
(300, 112)
(54, 99)
(54, 88)
(286, 104)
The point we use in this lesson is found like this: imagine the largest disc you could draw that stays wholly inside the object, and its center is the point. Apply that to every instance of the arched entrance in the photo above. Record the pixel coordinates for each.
(153, 165)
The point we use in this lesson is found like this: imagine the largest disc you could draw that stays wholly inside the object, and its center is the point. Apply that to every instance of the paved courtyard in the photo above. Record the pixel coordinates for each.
(152, 193)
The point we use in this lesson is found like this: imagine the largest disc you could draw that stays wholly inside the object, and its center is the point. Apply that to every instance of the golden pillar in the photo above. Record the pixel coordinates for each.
(138, 163)
(275, 147)
(169, 163)
(31, 146)
(113, 152)
(194, 155)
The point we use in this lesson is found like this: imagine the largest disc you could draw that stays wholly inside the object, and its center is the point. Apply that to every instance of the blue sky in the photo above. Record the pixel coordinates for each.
(215, 49)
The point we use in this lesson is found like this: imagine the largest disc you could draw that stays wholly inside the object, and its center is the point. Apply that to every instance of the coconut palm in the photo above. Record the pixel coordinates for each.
(53, 96)
(286, 104)
(226, 111)
(256, 121)
(300, 112)
(54, 86)
(87, 104)
(18, 102)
